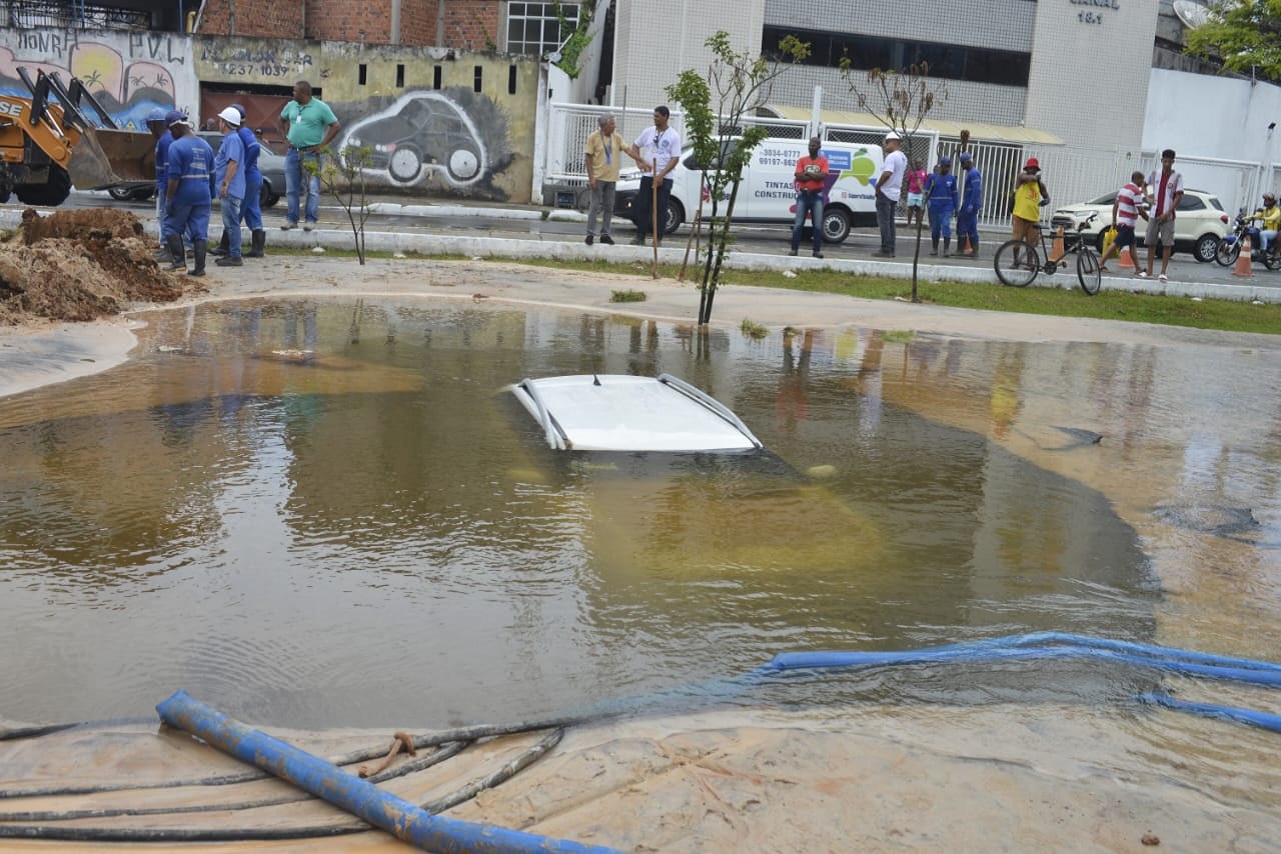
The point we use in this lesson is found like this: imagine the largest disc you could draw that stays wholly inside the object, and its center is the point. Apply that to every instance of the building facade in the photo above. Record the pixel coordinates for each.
(1077, 69)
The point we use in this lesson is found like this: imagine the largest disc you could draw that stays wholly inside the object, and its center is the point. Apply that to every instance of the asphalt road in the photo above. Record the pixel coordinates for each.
(525, 222)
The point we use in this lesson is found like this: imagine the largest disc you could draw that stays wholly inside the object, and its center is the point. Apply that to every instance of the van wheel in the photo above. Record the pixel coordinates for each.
(836, 225)
(675, 216)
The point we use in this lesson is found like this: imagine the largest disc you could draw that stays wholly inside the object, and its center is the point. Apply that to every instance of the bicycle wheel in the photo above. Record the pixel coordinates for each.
(1017, 263)
(1087, 271)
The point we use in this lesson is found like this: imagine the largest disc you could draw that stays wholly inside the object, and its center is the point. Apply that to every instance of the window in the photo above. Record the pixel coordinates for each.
(947, 62)
(534, 28)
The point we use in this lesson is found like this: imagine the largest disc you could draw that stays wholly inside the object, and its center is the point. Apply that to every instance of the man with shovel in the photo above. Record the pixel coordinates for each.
(657, 151)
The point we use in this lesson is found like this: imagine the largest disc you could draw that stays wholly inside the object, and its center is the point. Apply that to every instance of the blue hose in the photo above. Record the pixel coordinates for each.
(1264, 720)
(810, 660)
(404, 820)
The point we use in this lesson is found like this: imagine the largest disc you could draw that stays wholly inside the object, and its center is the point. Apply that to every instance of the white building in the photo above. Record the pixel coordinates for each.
(1093, 87)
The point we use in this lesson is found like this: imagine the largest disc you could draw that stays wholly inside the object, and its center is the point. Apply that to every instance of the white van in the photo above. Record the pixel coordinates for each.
(767, 193)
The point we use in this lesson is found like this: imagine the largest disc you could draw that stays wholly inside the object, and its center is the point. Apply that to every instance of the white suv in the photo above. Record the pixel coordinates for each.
(1199, 222)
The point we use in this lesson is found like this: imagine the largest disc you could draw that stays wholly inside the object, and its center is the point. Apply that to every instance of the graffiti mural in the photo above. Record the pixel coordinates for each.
(129, 78)
(450, 139)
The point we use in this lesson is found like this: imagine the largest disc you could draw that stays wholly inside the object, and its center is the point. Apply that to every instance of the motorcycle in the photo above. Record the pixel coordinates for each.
(1230, 245)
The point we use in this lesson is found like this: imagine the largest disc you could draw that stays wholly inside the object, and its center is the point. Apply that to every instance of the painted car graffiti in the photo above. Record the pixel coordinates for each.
(422, 134)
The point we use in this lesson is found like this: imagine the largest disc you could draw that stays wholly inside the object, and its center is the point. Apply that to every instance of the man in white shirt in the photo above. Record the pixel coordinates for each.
(657, 151)
(888, 189)
(1166, 187)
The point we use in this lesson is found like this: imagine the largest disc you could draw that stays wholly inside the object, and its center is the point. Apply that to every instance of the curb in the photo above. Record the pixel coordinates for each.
(507, 248)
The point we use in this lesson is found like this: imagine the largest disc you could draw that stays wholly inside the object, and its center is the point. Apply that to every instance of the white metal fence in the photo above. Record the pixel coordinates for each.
(1072, 173)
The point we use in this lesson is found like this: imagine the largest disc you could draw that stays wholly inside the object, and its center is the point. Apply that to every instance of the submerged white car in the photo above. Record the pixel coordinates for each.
(1199, 222)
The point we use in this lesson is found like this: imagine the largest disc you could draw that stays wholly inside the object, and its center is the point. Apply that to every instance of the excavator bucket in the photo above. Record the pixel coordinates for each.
(106, 158)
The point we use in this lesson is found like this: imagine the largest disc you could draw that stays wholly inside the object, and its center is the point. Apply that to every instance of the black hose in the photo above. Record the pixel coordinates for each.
(134, 834)
(434, 758)
(467, 733)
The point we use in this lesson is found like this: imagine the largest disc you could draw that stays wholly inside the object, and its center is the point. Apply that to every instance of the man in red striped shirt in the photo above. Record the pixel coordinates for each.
(1166, 186)
(1126, 210)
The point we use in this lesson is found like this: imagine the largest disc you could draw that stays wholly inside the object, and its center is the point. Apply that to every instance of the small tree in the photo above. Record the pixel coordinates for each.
(1245, 35)
(900, 101)
(714, 104)
(577, 37)
(343, 177)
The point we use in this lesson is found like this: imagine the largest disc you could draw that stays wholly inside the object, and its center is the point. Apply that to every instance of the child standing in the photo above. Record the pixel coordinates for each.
(916, 177)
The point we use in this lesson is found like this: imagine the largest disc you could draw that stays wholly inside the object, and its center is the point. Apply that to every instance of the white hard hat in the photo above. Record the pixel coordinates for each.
(231, 116)
(892, 135)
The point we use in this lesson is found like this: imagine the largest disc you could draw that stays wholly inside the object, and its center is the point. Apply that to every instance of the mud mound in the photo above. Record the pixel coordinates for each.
(79, 265)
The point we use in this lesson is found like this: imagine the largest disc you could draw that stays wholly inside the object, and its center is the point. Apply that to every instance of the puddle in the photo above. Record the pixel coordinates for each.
(329, 513)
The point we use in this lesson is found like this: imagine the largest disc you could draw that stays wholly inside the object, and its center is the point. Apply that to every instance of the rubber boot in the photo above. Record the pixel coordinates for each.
(199, 247)
(162, 254)
(177, 253)
(258, 243)
(947, 247)
(224, 245)
(934, 246)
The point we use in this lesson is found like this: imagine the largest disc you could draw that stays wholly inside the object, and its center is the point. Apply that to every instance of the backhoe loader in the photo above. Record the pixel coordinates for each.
(48, 144)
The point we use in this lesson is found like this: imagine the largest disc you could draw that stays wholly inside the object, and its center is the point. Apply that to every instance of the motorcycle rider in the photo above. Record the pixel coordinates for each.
(1270, 217)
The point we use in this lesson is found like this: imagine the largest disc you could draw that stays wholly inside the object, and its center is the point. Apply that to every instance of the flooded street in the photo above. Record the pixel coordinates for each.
(327, 511)
(289, 504)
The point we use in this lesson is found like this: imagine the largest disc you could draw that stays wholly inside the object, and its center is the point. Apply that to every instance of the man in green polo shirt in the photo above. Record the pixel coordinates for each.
(310, 126)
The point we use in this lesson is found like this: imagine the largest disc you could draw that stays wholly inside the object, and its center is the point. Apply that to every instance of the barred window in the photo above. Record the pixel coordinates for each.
(534, 28)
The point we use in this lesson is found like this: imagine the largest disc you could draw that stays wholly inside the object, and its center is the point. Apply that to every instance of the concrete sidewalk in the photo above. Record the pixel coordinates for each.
(480, 246)
(1191, 283)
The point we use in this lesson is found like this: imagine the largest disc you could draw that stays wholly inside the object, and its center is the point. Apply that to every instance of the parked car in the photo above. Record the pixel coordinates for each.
(135, 191)
(1199, 223)
(271, 164)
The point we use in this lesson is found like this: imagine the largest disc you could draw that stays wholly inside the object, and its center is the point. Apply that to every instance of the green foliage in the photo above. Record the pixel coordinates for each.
(1245, 35)
(898, 336)
(753, 330)
(343, 177)
(628, 295)
(715, 104)
(577, 41)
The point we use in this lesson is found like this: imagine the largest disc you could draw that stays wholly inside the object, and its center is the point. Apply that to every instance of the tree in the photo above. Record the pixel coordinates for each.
(715, 104)
(343, 177)
(900, 100)
(1245, 35)
(577, 37)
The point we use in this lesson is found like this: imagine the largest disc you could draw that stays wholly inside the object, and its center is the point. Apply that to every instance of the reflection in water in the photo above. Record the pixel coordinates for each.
(325, 513)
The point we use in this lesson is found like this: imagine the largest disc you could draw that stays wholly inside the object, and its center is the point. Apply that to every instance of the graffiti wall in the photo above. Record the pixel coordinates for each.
(430, 121)
(130, 74)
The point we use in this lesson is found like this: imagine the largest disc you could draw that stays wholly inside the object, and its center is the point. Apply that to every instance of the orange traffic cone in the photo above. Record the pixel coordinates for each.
(1123, 258)
(1242, 268)
(1057, 251)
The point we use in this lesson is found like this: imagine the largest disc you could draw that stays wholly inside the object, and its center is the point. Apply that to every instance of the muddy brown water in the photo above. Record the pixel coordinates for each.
(318, 513)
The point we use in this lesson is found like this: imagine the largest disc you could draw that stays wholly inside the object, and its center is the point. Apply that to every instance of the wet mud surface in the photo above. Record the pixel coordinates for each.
(79, 265)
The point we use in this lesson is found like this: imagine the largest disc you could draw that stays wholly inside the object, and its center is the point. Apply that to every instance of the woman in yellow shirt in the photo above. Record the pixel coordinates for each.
(1029, 195)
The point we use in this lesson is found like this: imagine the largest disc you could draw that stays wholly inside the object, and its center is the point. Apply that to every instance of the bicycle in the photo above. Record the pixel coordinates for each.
(1018, 262)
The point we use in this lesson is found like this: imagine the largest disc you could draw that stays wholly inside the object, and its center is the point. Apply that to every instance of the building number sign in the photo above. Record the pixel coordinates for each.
(1094, 14)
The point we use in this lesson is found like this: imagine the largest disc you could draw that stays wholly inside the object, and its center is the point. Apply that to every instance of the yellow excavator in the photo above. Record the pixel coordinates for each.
(48, 144)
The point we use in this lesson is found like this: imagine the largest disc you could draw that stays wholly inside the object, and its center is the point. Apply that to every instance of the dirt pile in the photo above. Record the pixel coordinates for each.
(79, 265)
